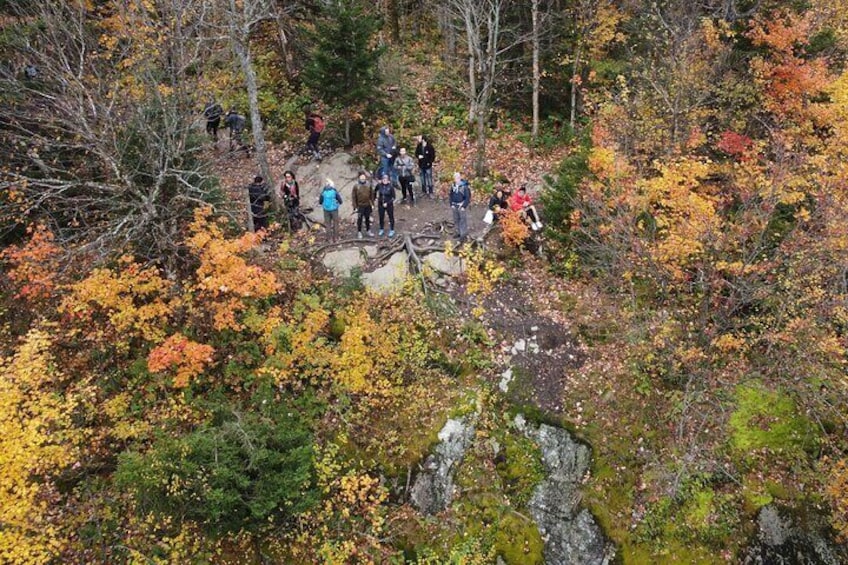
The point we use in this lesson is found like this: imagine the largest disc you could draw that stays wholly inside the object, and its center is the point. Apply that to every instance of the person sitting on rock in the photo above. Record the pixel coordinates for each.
(522, 203)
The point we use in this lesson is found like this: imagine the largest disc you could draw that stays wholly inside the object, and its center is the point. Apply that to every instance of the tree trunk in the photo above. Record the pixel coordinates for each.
(242, 50)
(393, 13)
(575, 69)
(347, 127)
(480, 165)
(288, 59)
(536, 74)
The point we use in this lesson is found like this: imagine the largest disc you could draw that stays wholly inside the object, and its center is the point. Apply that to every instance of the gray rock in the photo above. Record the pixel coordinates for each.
(782, 541)
(506, 378)
(341, 262)
(390, 276)
(441, 263)
(433, 488)
(570, 534)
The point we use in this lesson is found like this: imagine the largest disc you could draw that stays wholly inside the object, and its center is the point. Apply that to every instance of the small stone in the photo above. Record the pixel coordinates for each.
(520, 345)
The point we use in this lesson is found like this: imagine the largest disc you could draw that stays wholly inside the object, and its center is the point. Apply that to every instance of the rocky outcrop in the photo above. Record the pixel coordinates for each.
(783, 540)
(433, 489)
(390, 276)
(570, 534)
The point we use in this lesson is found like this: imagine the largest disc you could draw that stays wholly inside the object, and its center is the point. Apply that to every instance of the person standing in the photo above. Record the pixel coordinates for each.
(386, 147)
(459, 199)
(213, 112)
(315, 125)
(404, 171)
(257, 194)
(426, 154)
(363, 199)
(330, 200)
(386, 204)
(289, 191)
(236, 123)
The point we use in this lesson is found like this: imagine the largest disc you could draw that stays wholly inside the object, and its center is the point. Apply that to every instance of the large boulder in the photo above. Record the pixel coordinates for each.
(433, 488)
(784, 539)
(441, 263)
(343, 261)
(390, 276)
(570, 533)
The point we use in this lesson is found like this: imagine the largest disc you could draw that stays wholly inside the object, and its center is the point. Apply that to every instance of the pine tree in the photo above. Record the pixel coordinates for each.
(343, 66)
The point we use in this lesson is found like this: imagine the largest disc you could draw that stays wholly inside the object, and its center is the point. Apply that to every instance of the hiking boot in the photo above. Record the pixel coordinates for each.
(359, 235)
(370, 233)
(380, 233)
(391, 233)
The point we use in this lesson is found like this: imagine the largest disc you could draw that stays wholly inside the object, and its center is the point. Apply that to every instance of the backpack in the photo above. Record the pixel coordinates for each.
(317, 124)
(329, 199)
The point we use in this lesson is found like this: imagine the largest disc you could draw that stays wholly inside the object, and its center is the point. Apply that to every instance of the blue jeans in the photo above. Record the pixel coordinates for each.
(427, 181)
(387, 166)
(460, 221)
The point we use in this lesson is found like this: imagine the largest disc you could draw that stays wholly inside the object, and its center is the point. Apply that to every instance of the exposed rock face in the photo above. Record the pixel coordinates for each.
(571, 535)
(433, 488)
(782, 542)
(343, 261)
(441, 263)
(390, 276)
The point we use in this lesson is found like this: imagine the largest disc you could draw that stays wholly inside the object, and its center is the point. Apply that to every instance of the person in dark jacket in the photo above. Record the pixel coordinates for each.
(498, 202)
(386, 151)
(426, 154)
(213, 112)
(386, 204)
(363, 200)
(257, 193)
(459, 198)
(236, 124)
(289, 191)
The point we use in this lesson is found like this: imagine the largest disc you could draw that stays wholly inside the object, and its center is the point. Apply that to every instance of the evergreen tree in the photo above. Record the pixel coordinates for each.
(343, 63)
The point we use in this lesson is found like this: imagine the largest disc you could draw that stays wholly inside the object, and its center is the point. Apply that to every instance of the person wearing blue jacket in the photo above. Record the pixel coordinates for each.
(330, 200)
(459, 198)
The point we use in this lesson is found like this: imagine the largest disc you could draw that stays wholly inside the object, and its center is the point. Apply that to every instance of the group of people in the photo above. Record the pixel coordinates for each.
(235, 122)
(503, 200)
(399, 166)
(396, 168)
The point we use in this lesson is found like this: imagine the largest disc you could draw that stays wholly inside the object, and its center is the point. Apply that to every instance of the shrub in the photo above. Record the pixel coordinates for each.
(238, 472)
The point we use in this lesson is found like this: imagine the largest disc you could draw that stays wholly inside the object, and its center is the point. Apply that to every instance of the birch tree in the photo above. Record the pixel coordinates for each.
(484, 40)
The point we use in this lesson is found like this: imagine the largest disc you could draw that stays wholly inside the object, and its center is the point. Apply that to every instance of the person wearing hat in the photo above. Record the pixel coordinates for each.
(330, 200)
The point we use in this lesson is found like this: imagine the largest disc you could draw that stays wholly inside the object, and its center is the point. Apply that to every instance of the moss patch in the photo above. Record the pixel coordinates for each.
(766, 419)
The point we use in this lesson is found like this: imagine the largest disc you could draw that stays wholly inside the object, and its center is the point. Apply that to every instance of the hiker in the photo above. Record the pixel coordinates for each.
(257, 193)
(330, 199)
(315, 125)
(426, 154)
(404, 169)
(363, 198)
(213, 112)
(235, 122)
(459, 199)
(289, 191)
(386, 148)
(522, 203)
(498, 204)
(386, 204)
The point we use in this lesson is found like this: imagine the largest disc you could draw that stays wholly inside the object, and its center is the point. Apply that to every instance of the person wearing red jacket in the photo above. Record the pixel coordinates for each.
(522, 203)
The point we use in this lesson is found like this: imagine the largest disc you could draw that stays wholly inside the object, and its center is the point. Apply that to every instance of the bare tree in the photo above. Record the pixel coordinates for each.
(242, 16)
(481, 20)
(100, 143)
